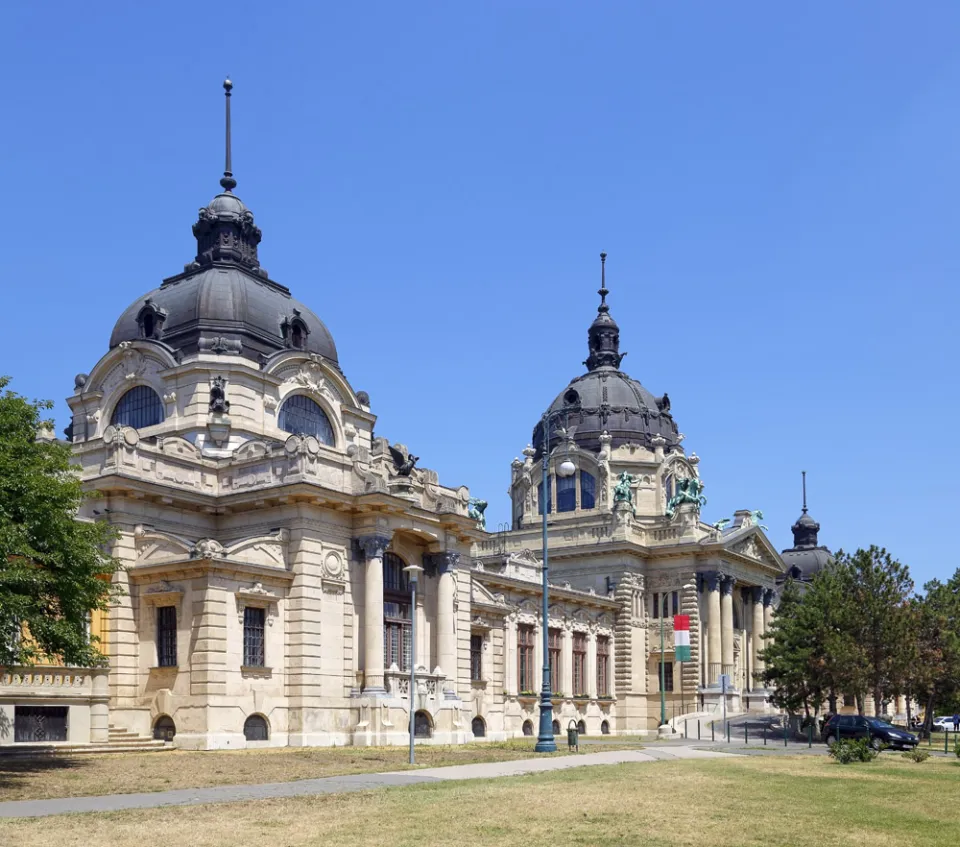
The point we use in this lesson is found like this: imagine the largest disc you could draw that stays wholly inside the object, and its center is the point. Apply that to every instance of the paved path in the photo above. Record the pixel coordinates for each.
(338, 784)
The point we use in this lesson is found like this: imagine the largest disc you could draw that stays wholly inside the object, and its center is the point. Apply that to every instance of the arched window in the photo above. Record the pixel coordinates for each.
(588, 488)
(255, 728)
(140, 407)
(566, 493)
(479, 727)
(556, 727)
(669, 488)
(581, 727)
(528, 727)
(422, 725)
(549, 499)
(604, 727)
(301, 416)
(164, 729)
(396, 612)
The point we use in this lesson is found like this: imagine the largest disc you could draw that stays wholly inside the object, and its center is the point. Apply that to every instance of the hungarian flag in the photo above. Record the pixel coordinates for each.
(681, 637)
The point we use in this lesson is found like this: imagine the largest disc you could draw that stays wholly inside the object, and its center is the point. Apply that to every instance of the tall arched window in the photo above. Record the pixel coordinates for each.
(396, 612)
(566, 493)
(549, 500)
(588, 489)
(301, 416)
(139, 407)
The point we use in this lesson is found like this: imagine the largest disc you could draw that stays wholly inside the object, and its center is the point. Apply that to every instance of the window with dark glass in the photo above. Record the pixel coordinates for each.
(668, 676)
(588, 488)
(167, 636)
(525, 667)
(254, 619)
(655, 602)
(397, 617)
(579, 664)
(554, 648)
(668, 487)
(603, 666)
(140, 407)
(675, 602)
(566, 493)
(549, 500)
(476, 657)
(301, 416)
(255, 728)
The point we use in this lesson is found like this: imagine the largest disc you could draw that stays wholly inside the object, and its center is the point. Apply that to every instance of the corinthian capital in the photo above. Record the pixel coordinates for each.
(373, 546)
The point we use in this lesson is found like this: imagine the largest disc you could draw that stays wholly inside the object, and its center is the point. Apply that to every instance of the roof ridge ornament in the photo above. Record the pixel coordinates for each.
(604, 291)
(603, 337)
(227, 180)
(804, 474)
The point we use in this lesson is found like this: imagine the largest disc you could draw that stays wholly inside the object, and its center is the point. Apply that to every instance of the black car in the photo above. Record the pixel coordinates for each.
(879, 732)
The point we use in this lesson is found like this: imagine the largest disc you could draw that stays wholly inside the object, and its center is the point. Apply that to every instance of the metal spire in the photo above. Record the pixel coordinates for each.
(804, 491)
(604, 291)
(227, 181)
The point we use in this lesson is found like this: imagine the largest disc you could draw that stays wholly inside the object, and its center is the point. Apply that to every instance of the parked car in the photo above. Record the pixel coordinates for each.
(877, 731)
(944, 723)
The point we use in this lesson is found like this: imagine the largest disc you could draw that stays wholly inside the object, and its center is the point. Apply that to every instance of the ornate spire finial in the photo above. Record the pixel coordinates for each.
(804, 473)
(228, 182)
(604, 291)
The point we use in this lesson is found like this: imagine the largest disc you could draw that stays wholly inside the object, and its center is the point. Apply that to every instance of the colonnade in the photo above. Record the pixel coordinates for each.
(719, 643)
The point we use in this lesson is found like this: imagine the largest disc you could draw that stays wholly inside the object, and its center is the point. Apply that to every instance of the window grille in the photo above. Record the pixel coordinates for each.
(254, 619)
(301, 416)
(525, 663)
(167, 636)
(255, 728)
(396, 613)
(39, 723)
(603, 666)
(140, 407)
(668, 676)
(579, 664)
(476, 657)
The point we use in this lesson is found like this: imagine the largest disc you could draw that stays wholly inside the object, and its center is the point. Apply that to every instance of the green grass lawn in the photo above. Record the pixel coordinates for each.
(801, 801)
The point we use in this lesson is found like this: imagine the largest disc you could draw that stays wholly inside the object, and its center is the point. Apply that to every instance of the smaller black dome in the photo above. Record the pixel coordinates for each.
(806, 558)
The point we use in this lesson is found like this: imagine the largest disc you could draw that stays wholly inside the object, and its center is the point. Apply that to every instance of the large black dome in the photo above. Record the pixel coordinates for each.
(605, 399)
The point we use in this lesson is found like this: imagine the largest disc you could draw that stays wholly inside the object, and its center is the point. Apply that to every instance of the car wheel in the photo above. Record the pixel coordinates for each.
(876, 742)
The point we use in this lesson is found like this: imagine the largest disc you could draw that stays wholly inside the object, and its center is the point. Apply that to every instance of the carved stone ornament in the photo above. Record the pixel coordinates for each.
(133, 361)
(269, 402)
(207, 548)
(170, 397)
(333, 565)
(218, 396)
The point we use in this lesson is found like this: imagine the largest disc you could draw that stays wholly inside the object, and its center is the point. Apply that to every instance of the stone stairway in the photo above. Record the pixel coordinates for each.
(119, 740)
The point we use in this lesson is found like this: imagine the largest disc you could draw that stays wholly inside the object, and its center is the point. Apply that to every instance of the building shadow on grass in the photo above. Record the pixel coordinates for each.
(15, 770)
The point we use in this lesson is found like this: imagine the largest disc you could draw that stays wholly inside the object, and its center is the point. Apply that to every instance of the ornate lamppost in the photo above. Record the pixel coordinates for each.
(545, 740)
(413, 574)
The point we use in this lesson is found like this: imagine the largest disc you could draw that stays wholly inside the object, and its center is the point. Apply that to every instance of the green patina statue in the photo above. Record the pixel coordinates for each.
(720, 524)
(755, 518)
(621, 491)
(475, 510)
(688, 490)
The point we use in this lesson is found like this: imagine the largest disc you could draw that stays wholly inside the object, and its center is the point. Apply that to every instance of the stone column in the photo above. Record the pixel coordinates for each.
(592, 665)
(566, 661)
(446, 564)
(100, 706)
(373, 547)
(726, 623)
(768, 597)
(510, 669)
(756, 593)
(712, 583)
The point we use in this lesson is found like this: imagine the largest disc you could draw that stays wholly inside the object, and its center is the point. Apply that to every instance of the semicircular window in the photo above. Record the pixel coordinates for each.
(301, 416)
(139, 407)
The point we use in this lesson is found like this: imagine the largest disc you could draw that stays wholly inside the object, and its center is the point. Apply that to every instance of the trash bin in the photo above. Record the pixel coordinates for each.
(573, 736)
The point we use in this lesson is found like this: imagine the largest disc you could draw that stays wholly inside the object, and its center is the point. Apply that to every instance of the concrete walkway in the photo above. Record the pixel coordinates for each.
(339, 784)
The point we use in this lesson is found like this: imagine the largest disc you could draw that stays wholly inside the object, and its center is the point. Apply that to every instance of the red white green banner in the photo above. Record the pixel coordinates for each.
(681, 637)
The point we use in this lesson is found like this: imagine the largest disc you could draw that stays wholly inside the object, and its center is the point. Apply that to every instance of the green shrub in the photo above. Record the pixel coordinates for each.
(850, 750)
(956, 748)
(916, 755)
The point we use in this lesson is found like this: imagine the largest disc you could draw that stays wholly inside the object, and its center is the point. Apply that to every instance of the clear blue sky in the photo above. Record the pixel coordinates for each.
(776, 187)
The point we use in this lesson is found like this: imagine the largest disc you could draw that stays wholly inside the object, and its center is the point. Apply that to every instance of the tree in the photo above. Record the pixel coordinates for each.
(788, 653)
(53, 568)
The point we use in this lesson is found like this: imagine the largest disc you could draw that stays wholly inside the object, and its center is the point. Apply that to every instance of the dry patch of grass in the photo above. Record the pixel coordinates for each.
(125, 773)
(743, 802)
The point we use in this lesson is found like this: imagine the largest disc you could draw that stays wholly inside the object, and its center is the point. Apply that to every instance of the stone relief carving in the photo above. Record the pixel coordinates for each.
(153, 547)
(310, 376)
(207, 548)
(261, 549)
(133, 361)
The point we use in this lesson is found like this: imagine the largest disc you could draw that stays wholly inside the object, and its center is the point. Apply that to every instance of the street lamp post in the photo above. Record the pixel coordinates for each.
(413, 573)
(545, 740)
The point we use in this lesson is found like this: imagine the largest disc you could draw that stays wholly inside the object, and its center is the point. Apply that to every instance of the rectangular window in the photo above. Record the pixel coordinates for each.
(396, 635)
(254, 619)
(675, 597)
(35, 724)
(167, 636)
(667, 676)
(655, 600)
(525, 668)
(603, 666)
(554, 653)
(579, 664)
(476, 657)
(566, 493)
